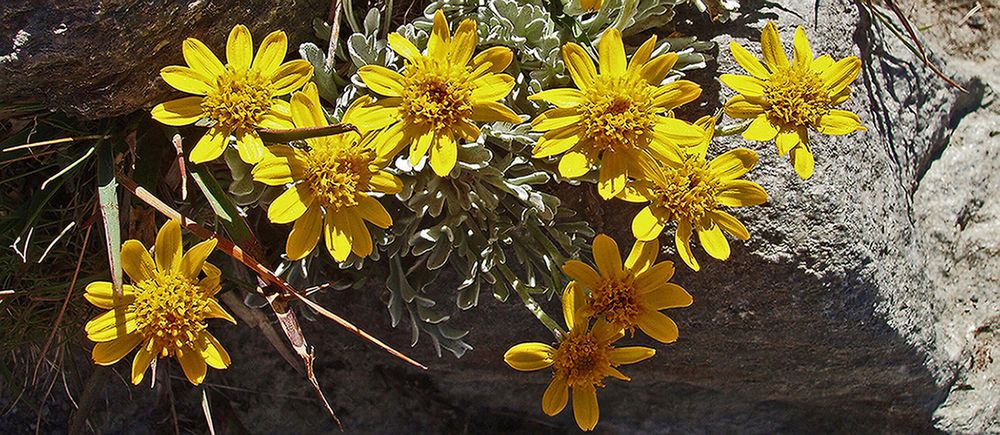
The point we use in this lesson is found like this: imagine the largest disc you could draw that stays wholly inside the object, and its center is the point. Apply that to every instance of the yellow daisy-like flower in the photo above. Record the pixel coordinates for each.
(630, 294)
(331, 185)
(237, 97)
(163, 311)
(615, 116)
(580, 361)
(692, 191)
(785, 99)
(438, 97)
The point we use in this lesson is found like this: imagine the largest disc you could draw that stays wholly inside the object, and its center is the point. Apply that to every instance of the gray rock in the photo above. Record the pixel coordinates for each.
(102, 59)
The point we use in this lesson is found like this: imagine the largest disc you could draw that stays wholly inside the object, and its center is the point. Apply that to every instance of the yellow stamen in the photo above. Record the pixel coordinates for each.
(170, 312)
(582, 360)
(435, 94)
(337, 175)
(689, 191)
(239, 99)
(617, 301)
(796, 96)
(619, 113)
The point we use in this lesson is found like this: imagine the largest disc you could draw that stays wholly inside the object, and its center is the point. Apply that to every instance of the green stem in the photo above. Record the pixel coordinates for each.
(628, 11)
(531, 304)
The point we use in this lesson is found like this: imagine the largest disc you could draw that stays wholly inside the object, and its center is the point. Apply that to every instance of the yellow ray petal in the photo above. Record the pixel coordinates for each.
(210, 146)
(290, 76)
(585, 408)
(675, 94)
(611, 54)
(336, 237)
(404, 47)
(556, 396)
(279, 170)
(803, 52)
(714, 242)
(420, 146)
(613, 175)
(385, 182)
(642, 255)
(575, 163)
(839, 122)
(730, 224)
(528, 357)
(642, 55)
(306, 109)
(464, 43)
(669, 295)
(654, 277)
(733, 164)
(582, 273)
(492, 87)
(657, 69)
(140, 364)
(760, 129)
(492, 60)
(748, 61)
(741, 193)
(489, 111)
(646, 225)
(110, 325)
(179, 112)
(443, 153)
(305, 233)
(271, 53)
(361, 238)
(556, 142)
(201, 59)
(215, 311)
(370, 115)
(213, 353)
(136, 261)
(291, 204)
(579, 65)
(194, 259)
(841, 74)
(168, 248)
(561, 97)
(110, 352)
(802, 159)
(607, 257)
(187, 80)
(740, 107)
(239, 48)
(440, 39)
(102, 295)
(682, 240)
(770, 44)
(631, 354)
(658, 326)
(193, 364)
(372, 211)
(382, 80)
(250, 145)
(789, 138)
(573, 302)
(746, 85)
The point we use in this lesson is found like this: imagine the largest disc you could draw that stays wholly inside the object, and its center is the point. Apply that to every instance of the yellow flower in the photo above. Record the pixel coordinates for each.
(437, 97)
(580, 361)
(237, 97)
(691, 191)
(331, 186)
(630, 294)
(163, 312)
(615, 117)
(785, 99)
(591, 5)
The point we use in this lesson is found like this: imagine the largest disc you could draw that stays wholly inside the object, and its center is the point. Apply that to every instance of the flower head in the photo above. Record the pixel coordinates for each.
(591, 5)
(617, 116)
(163, 311)
(692, 191)
(237, 97)
(580, 362)
(331, 185)
(630, 294)
(786, 99)
(438, 97)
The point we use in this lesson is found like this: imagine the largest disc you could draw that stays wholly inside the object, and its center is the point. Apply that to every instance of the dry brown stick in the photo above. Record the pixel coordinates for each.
(331, 51)
(254, 319)
(234, 251)
(56, 141)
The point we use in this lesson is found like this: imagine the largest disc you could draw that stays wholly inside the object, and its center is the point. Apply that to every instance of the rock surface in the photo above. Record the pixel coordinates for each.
(97, 59)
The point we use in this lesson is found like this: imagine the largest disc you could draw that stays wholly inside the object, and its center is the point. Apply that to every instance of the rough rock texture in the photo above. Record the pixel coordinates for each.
(98, 59)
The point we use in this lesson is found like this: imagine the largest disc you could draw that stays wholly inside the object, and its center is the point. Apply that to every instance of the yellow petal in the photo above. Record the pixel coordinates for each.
(760, 129)
(280, 166)
(336, 235)
(215, 311)
(179, 112)
(802, 159)
(440, 38)
(555, 142)
(714, 242)
(740, 107)
(676, 94)
(654, 277)
(528, 357)
(193, 364)
(573, 302)
(140, 364)
(214, 354)
(746, 85)
(464, 43)
(102, 294)
(492, 87)
(642, 255)
(201, 59)
(821, 63)
(290, 76)
(168, 248)
(733, 163)
(250, 145)
(291, 204)
(611, 54)
(678, 132)
(646, 225)
(581, 272)
(382, 80)
(841, 74)
(210, 146)
(195, 257)
(730, 224)
(667, 296)
(305, 233)
(420, 146)
(556, 396)
(110, 325)
(658, 326)
(271, 53)
(372, 211)
(682, 240)
(575, 164)
(770, 44)
(370, 115)
(657, 69)
(385, 182)
(404, 47)
(443, 153)
(748, 61)
(561, 97)
(489, 111)
(187, 80)
(585, 407)
(789, 138)
(803, 52)
(136, 261)
(839, 122)
(239, 48)
(579, 65)
(611, 179)
(741, 193)
(361, 238)
(110, 352)
(493, 60)
(631, 354)
(606, 255)
(642, 55)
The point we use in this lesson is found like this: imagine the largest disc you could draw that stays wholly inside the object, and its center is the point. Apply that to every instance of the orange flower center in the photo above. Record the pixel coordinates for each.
(240, 99)
(796, 97)
(337, 175)
(689, 191)
(436, 96)
(616, 300)
(582, 360)
(618, 113)
(170, 312)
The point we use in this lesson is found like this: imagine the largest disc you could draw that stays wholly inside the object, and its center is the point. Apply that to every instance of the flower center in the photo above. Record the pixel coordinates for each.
(170, 312)
(337, 175)
(240, 99)
(617, 301)
(689, 191)
(796, 97)
(582, 360)
(437, 95)
(618, 113)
